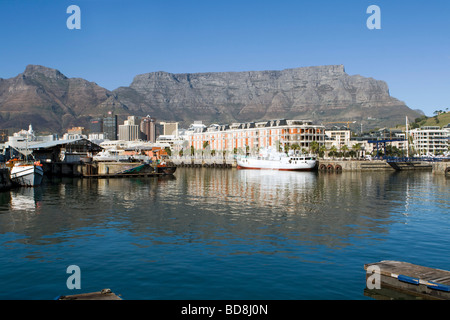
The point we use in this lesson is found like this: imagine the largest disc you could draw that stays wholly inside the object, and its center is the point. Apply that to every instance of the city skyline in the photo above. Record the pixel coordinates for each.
(119, 40)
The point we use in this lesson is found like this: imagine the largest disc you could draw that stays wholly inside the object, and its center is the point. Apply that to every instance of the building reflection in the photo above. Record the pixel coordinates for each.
(222, 205)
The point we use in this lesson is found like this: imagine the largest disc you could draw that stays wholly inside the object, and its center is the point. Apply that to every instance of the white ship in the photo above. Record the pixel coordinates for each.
(27, 174)
(271, 160)
(109, 155)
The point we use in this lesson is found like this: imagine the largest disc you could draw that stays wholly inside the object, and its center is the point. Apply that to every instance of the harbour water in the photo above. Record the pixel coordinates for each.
(220, 233)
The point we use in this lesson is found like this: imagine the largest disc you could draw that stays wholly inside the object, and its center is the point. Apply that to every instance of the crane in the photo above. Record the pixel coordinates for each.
(347, 122)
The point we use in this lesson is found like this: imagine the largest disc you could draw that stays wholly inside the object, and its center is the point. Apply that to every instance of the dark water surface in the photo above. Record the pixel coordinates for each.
(220, 233)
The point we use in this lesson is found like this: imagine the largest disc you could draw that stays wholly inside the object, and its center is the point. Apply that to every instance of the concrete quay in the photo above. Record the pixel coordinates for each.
(441, 168)
(330, 165)
(5, 179)
(207, 163)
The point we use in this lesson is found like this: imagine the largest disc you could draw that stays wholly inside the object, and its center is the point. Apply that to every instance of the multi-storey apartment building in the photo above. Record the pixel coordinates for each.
(251, 136)
(430, 140)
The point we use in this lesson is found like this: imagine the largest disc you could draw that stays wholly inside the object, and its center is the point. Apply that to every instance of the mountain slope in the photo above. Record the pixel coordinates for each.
(51, 101)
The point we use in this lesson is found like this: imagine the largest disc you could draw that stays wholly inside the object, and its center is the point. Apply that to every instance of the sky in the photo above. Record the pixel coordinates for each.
(120, 39)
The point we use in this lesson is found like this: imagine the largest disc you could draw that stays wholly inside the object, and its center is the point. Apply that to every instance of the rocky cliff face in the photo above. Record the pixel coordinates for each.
(323, 93)
(52, 102)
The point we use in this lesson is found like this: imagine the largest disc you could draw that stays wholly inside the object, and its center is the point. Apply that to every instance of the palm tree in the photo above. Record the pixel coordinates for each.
(357, 147)
(344, 149)
(322, 150)
(333, 151)
(295, 147)
(314, 147)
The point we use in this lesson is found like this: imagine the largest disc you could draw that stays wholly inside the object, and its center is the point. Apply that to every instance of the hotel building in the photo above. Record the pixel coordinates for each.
(251, 136)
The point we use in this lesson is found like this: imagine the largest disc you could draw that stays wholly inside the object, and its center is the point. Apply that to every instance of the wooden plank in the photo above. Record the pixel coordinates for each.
(105, 294)
(424, 281)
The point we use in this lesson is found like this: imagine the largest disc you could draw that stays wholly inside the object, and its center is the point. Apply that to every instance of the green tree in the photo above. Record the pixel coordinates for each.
(356, 148)
(314, 147)
(344, 150)
(295, 147)
(322, 150)
(333, 151)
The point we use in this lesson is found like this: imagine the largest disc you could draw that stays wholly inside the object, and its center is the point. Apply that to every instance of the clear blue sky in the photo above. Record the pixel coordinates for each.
(120, 39)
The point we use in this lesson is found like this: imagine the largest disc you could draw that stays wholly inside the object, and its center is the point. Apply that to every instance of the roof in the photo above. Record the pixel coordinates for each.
(50, 144)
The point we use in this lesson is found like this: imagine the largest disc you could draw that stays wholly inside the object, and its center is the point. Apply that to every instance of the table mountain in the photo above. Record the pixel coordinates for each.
(322, 93)
(52, 102)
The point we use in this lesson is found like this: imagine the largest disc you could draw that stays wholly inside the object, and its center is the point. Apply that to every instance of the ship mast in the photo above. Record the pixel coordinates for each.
(407, 138)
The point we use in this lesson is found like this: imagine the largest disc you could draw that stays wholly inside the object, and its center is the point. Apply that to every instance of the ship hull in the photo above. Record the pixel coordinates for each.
(27, 175)
(300, 165)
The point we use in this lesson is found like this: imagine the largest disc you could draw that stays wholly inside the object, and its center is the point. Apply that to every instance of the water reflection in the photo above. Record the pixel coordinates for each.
(218, 207)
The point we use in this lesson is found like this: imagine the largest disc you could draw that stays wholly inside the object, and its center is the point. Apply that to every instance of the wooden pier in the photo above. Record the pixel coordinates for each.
(105, 294)
(419, 281)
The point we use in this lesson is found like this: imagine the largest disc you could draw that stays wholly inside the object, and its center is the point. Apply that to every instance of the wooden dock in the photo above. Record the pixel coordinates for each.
(105, 294)
(411, 279)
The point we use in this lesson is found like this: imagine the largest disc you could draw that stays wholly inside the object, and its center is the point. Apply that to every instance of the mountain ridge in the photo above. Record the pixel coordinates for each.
(53, 102)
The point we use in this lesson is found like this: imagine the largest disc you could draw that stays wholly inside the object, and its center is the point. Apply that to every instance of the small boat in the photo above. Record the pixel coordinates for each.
(268, 159)
(27, 174)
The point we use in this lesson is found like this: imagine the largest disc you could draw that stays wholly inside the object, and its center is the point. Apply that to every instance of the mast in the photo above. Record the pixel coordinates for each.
(407, 138)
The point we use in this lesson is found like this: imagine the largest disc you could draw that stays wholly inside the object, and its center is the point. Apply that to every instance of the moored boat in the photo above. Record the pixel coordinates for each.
(270, 160)
(27, 174)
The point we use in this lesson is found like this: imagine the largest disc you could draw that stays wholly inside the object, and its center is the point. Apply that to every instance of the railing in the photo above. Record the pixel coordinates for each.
(416, 159)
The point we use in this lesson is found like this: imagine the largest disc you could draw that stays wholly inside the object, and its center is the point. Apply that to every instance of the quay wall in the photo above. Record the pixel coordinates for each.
(213, 163)
(441, 168)
(353, 165)
(5, 179)
(323, 165)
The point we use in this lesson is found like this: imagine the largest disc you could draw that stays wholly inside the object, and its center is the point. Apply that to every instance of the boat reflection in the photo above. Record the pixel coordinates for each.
(26, 199)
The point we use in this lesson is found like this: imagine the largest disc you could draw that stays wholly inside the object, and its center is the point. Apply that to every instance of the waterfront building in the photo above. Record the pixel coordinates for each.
(129, 131)
(430, 140)
(75, 133)
(337, 138)
(110, 126)
(251, 136)
(148, 128)
(170, 129)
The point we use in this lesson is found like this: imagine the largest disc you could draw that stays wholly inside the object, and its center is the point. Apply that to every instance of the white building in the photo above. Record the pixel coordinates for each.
(430, 140)
(129, 130)
(251, 136)
(337, 138)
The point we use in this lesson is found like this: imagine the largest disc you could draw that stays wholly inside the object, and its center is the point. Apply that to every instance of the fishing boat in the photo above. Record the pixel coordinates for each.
(268, 159)
(26, 173)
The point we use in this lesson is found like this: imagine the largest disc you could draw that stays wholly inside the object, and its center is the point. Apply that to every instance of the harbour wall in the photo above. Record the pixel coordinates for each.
(5, 179)
(353, 165)
(326, 165)
(441, 168)
(323, 165)
(208, 163)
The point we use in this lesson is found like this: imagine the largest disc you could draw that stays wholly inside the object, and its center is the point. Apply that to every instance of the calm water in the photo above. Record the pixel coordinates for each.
(220, 233)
